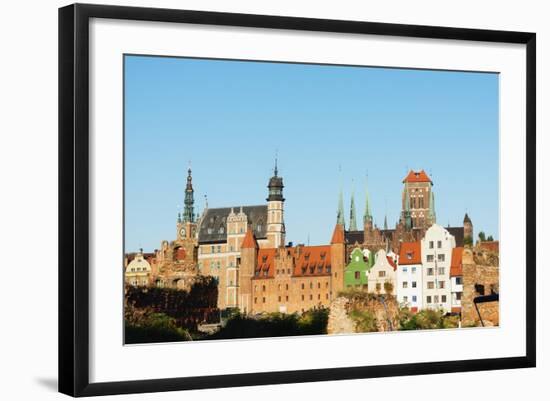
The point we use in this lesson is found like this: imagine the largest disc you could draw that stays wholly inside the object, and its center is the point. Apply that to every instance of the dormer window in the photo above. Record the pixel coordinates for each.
(409, 255)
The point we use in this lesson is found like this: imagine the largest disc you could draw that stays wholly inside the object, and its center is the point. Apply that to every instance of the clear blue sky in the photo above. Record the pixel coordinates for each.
(229, 118)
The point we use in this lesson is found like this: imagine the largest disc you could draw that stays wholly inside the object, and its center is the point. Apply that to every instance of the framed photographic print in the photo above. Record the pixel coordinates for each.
(278, 199)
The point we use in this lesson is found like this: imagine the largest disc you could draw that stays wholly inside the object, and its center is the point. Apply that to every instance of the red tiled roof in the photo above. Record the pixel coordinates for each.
(305, 261)
(456, 261)
(249, 240)
(338, 235)
(417, 176)
(410, 254)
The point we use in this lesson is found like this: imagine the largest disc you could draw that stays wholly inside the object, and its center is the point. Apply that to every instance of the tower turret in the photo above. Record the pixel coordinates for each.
(275, 210)
(367, 217)
(188, 213)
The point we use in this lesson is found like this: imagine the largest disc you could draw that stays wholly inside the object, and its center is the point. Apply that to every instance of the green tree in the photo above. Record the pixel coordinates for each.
(481, 236)
(490, 238)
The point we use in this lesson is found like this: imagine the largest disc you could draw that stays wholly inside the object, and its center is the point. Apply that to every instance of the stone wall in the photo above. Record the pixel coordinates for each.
(480, 269)
(384, 310)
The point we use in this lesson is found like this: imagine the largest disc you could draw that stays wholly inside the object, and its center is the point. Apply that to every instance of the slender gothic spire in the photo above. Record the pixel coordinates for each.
(432, 208)
(352, 219)
(340, 216)
(385, 222)
(368, 215)
(188, 214)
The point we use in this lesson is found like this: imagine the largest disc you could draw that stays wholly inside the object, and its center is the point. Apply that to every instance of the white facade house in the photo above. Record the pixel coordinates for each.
(456, 280)
(409, 276)
(437, 248)
(138, 271)
(381, 273)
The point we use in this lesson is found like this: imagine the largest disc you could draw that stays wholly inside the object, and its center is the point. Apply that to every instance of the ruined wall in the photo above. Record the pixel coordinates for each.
(480, 269)
(344, 310)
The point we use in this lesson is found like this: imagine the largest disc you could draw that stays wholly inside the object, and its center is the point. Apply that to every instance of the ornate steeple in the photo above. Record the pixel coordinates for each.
(188, 213)
(340, 215)
(367, 217)
(352, 219)
(385, 222)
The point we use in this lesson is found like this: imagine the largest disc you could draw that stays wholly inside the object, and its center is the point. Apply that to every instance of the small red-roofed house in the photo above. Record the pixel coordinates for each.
(456, 279)
(409, 275)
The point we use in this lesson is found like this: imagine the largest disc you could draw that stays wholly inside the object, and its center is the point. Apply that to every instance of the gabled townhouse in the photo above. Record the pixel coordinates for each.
(382, 276)
(437, 247)
(409, 276)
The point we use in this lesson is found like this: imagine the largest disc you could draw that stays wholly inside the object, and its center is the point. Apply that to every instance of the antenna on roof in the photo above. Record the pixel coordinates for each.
(307, 239)
(276, 155)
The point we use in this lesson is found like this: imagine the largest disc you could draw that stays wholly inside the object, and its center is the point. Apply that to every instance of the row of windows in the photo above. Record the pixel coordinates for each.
(406, 298)
(138, 269)
(279, 286)
(406, 284)
(440, 258)
(436, 299)
(406, 269)
(430, 285)
(431, 244)
(440, 271)
(287, 298)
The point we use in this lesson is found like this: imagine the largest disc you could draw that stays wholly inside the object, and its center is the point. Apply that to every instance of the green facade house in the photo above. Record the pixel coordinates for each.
(356, 271)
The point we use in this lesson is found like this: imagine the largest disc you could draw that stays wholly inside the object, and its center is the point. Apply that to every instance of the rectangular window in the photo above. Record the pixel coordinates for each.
(414, 284)
(311, 297)
(441, 284)
(286, 286)
(458, 280)
(404, 269)
(444, 298)
(263, 287)
(279, 298)
(382, 273)
(263, 300)
(405, 284)
(303, 298)
(413, 270)
(430, 271)
(378, 287)
(255, 300)
(441, 271)
(429, 299)
(436, 299)
(430, 258)
(439, 244)
(430, 285)
(303, 286)
(441, 257)
(431, 245)
(458, 296)
(357, 275)
(414, 298)
(405, 299)
(319, 285)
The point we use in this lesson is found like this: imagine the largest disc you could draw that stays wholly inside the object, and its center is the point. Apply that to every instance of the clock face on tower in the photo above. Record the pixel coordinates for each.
(182, 232)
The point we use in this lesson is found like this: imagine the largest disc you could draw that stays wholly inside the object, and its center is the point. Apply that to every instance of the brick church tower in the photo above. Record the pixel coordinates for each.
(418, 202)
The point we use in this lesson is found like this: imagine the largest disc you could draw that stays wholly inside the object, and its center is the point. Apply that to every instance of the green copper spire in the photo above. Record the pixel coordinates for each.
(368, 215)
(407, 212)
(432, 208)
(352, 219)
(340, 216)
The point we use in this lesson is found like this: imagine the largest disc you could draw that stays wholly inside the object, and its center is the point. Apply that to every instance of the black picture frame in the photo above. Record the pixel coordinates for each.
(74, 198)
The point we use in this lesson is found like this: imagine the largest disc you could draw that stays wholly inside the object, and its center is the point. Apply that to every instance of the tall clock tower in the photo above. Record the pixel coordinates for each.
(186, 223)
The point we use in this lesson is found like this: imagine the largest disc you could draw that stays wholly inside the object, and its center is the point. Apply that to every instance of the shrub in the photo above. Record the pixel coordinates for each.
(365, 321)
(153, 328)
